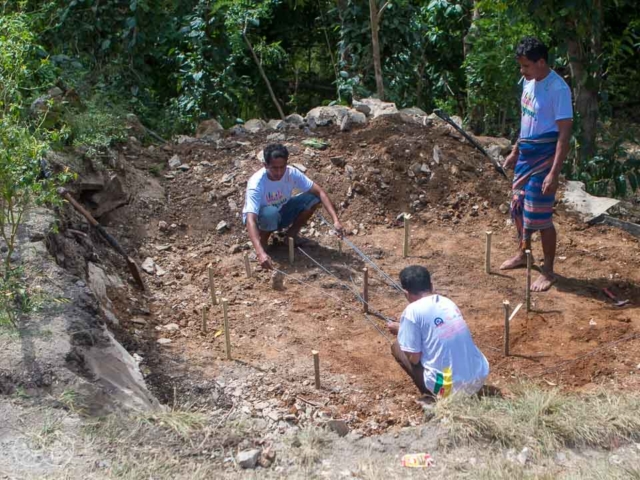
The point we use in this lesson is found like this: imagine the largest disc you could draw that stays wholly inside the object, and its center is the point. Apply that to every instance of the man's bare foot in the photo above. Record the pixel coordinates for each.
(519, 260)
(544, 282)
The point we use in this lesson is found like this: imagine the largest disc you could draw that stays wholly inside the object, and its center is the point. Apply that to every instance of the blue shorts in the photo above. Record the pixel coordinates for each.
(271, 219)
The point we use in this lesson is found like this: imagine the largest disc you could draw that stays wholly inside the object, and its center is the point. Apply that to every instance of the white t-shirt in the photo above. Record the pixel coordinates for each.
(543, 103)
(434, 326)
(262, 192)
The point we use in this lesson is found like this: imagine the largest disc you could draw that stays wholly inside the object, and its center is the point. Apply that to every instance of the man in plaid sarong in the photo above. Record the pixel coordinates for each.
(545, 130)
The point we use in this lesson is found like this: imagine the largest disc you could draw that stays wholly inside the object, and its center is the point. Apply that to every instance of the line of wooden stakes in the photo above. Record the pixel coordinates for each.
(508, 314)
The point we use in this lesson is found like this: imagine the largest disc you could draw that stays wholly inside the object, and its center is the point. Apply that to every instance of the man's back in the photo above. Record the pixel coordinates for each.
(434, 326)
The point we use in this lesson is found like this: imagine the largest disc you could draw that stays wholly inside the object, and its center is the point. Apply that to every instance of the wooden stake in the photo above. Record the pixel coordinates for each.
(316, 367)
(405, 249)
(226, 328)
(528, 292)
(339, 247)
(247, 265)
(506, 327)
(204, 319)
(291, 250)
(487, 254)
(214, 300)
(365, 290)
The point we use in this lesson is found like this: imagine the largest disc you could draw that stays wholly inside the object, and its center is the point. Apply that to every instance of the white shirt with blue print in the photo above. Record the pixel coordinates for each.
(434, 327)
(262, 192)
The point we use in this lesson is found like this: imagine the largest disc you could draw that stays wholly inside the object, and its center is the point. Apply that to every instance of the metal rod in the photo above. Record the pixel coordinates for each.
(487, 254)
(214, 300)
(291, 250)
(227, 338)
(506, 327)
(316, 367)
(365, 290)
(528, 292)
(247, 265)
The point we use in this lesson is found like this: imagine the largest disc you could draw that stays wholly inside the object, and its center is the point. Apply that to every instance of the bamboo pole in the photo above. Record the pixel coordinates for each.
(247, 265)
(227, 338)
(487, 254)
(365, 290)
(291, 250)
(407, 232)
(506, 327)
(204, 319)
(528, 292)
(316, 367)
(214, 300)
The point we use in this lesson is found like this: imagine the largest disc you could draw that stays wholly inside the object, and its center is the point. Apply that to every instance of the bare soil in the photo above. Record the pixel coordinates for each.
(574, 337)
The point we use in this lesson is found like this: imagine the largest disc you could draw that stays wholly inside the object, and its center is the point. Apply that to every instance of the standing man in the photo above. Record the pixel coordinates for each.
(270, 204)
(545, 130)
(434, 344)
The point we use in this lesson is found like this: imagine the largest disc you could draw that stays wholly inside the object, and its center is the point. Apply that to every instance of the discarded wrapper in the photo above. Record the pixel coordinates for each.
(417, 460)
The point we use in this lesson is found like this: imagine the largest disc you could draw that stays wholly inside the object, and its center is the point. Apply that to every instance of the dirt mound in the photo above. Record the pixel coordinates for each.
(373, 174)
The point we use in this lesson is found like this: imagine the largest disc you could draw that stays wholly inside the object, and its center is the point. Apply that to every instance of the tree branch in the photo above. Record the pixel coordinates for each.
(381, 11)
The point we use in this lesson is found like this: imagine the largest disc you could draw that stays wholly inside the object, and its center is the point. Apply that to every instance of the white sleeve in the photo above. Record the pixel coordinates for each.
(253, 199)
(409, 335)
(562, 104)
(300, 180)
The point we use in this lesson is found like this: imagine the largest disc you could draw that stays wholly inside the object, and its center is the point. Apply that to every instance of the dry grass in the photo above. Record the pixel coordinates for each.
(309, 444)
(543, 420)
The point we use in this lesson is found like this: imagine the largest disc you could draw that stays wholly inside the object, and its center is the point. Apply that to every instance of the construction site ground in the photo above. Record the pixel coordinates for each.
(573, 338)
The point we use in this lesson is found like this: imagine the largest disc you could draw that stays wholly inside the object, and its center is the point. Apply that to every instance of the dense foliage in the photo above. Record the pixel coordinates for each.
(177, 62)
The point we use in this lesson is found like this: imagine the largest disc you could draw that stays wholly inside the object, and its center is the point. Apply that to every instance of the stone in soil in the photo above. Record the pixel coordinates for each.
(221, 227)
(248, 459)
(175, 162)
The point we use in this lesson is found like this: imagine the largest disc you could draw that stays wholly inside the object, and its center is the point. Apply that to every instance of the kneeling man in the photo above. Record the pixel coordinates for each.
(434, 344)
(270, 204)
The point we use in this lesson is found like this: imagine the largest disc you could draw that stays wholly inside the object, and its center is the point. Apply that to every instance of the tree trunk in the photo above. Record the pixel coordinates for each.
(467, 42)
(264, 76)
(377, 65)
(475, 114)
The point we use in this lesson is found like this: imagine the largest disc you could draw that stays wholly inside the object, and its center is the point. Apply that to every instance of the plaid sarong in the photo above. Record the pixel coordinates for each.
(530, 209)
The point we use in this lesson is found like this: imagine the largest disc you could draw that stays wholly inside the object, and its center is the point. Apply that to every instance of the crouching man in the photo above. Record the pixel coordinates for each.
(434, 345)
(270, 204)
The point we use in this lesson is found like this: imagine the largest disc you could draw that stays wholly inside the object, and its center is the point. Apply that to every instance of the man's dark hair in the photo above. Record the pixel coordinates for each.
(533, 49)
(275, 150)
(415, 279)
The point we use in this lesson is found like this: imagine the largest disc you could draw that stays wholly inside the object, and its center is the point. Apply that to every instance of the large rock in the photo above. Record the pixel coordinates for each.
(414, 111)
(256, 125)
(277, 124)
(323, 116)
(248, 458)
(209, 129)
(294, 119)
(588, 206)
(361, 107)
(378, 107)
(113, 196)
(503, 144)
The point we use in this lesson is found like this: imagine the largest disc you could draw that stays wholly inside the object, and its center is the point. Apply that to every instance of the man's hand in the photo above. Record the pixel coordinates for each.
(550, 184)
(510, 161)
(339, 229)
(265, 261)
(393, 327)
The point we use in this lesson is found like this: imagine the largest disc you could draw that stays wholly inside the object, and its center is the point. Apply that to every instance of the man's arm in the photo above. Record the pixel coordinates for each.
(512, 158)
(414, 358)
(254, 236)
(550, 184)
(326, 203)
